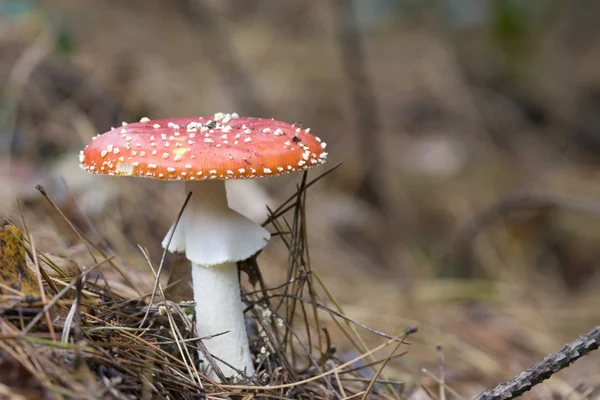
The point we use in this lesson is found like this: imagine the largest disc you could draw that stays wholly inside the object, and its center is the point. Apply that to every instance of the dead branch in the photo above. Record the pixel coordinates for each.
(461, 250)
(544, 369)
(524, 201)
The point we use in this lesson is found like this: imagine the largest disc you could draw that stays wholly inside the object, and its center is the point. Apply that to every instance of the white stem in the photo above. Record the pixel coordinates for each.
(219, 309)
(214, 237)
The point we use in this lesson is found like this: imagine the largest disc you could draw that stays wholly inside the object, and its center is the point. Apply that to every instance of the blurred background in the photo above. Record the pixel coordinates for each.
(467, 202)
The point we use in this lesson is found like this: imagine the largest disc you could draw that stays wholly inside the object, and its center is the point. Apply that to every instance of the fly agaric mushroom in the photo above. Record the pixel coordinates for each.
(204, 152)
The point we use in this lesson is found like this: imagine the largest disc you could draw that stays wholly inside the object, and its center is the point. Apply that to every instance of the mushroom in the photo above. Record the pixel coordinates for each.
(204, 152)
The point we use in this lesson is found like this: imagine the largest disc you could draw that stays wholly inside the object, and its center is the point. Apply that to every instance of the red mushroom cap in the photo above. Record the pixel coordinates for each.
(224, 146)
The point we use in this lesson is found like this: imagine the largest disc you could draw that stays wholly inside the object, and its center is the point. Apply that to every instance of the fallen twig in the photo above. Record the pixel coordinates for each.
(544, 369)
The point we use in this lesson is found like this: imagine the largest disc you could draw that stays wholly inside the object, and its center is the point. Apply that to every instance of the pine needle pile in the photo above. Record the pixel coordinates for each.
(67, 332)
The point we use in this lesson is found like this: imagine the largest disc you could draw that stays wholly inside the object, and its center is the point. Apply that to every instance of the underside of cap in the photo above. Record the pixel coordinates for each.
(210, 233)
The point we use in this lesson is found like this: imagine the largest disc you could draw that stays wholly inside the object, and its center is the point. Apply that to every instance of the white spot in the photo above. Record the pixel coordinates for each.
(152, 166)
(248, 140)
(177, 157)
(171, 169)
(165, 155)
(145, 119)
(124, 168)
(241, 170)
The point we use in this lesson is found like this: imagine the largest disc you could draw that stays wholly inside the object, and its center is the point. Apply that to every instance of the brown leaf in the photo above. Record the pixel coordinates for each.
(14, 272)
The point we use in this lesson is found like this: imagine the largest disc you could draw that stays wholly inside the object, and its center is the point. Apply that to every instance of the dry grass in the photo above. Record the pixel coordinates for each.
(115, 346)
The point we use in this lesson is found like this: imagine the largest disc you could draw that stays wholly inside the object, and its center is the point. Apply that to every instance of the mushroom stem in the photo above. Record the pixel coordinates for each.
(214, 237)
(219, 309)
